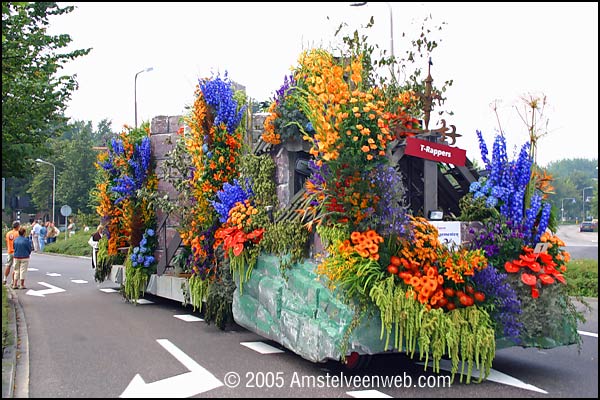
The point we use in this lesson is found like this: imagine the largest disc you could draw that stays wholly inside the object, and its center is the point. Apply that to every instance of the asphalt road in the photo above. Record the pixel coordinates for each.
(579, 244)
(84, 342)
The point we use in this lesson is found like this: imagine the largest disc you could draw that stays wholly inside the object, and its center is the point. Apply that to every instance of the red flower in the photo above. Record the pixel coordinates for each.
(546, 279)
(511, 267)
(528, 279)
(534, 266)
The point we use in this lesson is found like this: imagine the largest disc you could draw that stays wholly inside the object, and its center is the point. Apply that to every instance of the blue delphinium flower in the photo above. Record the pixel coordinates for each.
(543, 224)
(117, 146)
(484, 150)
(506, 186)
(218, 93)
(229, 196)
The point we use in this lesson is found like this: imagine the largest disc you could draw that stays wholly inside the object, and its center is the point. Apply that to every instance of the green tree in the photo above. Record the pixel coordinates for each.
(34, 94)
(571, 176)
(74, 160)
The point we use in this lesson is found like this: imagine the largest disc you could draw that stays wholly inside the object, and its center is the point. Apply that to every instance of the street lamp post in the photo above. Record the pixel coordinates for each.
(583, 200)
(562, 207)
(39, 160)
(135, 90)
(362, 3)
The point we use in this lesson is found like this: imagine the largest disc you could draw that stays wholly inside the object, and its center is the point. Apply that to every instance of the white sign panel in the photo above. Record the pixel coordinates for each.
(449, 232)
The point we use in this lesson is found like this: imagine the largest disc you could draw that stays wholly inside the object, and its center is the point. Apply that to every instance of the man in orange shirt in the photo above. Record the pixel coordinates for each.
(10, 240)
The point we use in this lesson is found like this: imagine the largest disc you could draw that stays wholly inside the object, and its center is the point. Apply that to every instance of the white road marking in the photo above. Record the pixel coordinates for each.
(42, 293)
(53, 274)
(495, 376)
(78, 281)
(261, 347)
(188, 318)
(108, 290)
(143, 301)
(592, 334)
(368, 394)
(32, 269)
(198, 380)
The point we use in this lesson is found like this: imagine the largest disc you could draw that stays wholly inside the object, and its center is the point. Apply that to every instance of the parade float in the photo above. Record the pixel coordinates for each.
(319, 236)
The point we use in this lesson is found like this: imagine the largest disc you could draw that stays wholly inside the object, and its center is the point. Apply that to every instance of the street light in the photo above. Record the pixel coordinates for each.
(562, 207)
(39, 160)
(583, 200)
(362, 3)
(135, 90)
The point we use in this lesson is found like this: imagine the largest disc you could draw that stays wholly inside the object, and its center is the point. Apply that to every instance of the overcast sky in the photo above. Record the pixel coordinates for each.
(492, 51)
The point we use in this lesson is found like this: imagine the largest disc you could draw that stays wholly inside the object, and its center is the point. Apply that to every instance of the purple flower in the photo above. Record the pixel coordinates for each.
(507, 305)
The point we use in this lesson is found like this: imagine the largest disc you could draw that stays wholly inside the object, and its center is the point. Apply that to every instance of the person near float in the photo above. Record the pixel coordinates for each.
(22, 253)
(10, 240)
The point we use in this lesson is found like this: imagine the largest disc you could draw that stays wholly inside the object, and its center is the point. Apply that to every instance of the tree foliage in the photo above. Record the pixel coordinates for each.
(34, 93)
(571, 176)
(74, 158)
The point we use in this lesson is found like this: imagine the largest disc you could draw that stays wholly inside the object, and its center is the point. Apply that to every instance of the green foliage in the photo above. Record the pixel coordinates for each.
(571, 176)
(180, 260)
(7, 337)
(472, 209)
(76, 244)
(464, 334)
(334, 233)
(287, 240)
(582, 278)
(550, 320)
(34, 94)
(136, 279)
(174, 170)
(198, 291)
(261, 171)
(105, 261)
(220, 296)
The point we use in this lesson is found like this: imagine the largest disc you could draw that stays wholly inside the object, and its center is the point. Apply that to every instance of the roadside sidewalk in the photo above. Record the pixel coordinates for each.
(15, 360)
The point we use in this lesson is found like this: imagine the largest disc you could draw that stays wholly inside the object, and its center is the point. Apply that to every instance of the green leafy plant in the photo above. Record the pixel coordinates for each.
(136, 280)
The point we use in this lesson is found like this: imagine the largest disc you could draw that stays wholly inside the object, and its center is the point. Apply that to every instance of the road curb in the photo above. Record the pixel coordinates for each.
(9, 358)
(19, 386)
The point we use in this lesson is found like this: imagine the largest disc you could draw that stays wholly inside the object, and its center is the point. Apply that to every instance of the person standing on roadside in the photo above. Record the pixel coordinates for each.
(10, 240)
(35, 235)
(52, 232)
(42, 237)
(22, 252)
(94, 241)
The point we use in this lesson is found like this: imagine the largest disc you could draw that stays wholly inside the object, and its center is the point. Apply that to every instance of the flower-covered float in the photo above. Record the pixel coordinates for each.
(344, 266)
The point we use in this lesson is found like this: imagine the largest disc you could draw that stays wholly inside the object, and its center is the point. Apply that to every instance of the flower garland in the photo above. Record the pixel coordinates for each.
(214, 143)
(123, 170)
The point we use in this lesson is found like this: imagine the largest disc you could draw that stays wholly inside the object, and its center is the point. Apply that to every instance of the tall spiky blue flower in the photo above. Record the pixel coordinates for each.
(218, 93)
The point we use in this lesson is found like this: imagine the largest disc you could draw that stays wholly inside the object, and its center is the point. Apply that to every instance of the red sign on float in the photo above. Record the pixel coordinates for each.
(435, 152)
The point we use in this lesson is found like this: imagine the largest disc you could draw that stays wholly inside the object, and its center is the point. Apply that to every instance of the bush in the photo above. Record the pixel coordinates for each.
(582, 278)
(75, 245)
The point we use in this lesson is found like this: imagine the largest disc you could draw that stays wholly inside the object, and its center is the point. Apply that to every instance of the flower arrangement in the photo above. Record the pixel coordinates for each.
(285, 119)
(522, 220)
(220, 222)
(125, 177)
(143, 255)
